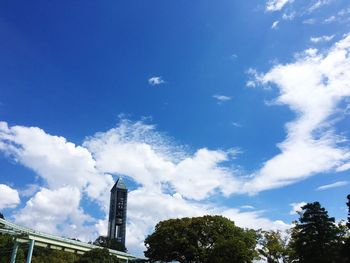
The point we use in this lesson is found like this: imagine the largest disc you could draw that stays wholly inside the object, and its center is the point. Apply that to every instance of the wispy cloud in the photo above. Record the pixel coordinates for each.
(313, 87)
(254, 78)
(333, 185)
(275, 25)
(289, 16)
(29, 190)
(329, 20)
(296, 207)
(321, 39)
(236, 124)
(318, 4)
(156, 80)
(307, 11)
(276, 5)
(309, 21)
(247, 207)
(221, 98)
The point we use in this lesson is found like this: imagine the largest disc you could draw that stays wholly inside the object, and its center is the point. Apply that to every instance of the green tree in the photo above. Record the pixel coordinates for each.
(273, 246)
(348, 204)
(47, 255)
(315, 238)
(97, 255)
(6, 247)
(110, 243)
(346, 246)
(213, 239)
(2, 216)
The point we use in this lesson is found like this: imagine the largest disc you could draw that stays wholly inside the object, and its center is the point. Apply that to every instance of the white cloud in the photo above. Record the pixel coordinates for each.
(254, 220)
(236, 124)
(275, 25)
(29, 190)
(254, 78)
(344, 11)
(247, 207)
(333, 185)
(156, 80)
(289, 16)
(221, 98)
(343, 167)
(57, 161)
(312, 87)
(171, 182)
(318, 4)
(57, 212)
(135, 150)
(329, 20)
(276, 5)
(198, 177)
(321, 39)
(251, 84)
(309, 21)
(296, 208)
(138, 151)
(9, 198)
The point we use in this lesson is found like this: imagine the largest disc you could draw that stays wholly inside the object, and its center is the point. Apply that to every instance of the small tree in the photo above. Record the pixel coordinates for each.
(273, 246)
(315, 236)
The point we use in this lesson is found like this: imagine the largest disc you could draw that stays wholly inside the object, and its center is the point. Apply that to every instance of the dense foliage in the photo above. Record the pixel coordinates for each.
(6, 245)
(110, 243)
(97, 255)
(46, 255)
(316, 237)
(346, 248)
(273, 247)
(213, 239)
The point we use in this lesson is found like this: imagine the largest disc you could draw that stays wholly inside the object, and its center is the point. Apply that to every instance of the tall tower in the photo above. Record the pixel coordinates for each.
(117, 211)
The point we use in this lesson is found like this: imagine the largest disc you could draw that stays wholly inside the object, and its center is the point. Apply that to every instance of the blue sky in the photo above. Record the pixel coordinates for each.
(239, 108)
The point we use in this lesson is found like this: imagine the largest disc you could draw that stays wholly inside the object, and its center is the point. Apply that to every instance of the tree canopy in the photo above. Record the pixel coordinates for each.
(273, 247)
(315, 238)
(97, 255)
(346, 248)
(111, 243)
(213, 239)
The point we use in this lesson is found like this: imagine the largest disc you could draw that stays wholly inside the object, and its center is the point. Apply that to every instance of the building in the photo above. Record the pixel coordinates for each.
(117, 211)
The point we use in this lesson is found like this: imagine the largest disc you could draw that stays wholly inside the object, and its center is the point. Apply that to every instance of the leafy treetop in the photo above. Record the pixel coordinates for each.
(213, 239)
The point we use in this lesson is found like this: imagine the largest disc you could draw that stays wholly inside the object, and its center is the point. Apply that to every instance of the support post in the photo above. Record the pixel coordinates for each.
(30, 251)
(14, 252)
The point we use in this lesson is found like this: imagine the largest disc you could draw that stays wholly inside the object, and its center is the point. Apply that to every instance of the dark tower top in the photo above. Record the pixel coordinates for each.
(117, 211)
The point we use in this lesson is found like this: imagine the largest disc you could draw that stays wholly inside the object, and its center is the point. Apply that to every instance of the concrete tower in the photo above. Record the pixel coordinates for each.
(117, 211)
